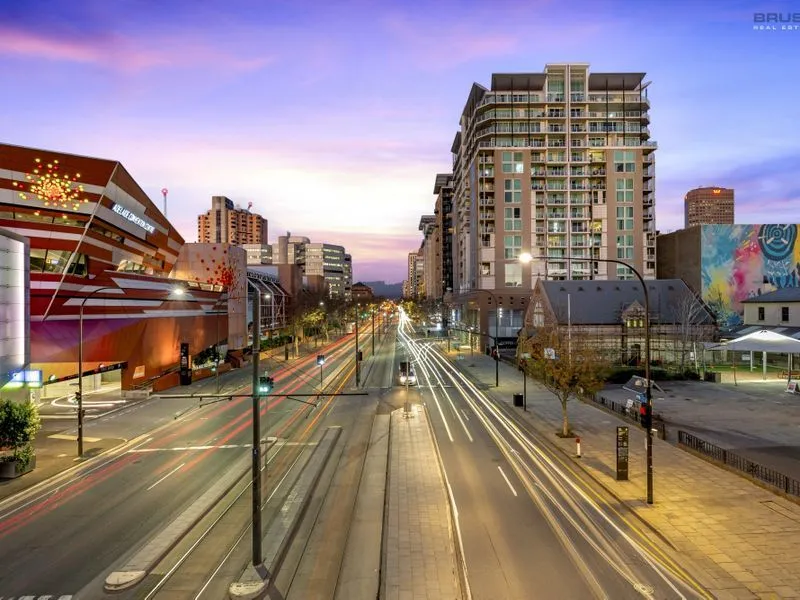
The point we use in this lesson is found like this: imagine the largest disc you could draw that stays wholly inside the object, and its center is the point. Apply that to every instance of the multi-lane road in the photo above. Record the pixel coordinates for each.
(528, 527)
(67, 535)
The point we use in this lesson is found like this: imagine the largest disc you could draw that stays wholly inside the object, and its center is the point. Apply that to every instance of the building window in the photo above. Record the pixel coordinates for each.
(513, 275)
(624, 218)
(513, 191)
(486, 268)
(513, 219)
(512, 246)
(513, 163)
(625, 190)
(624, 161)
(784, 313)
(760, 313)
(625, 246)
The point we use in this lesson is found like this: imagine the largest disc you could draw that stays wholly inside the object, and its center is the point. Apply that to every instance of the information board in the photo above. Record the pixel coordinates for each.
(622, 453)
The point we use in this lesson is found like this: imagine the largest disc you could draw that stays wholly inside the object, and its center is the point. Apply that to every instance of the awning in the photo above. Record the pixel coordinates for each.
(760, 341)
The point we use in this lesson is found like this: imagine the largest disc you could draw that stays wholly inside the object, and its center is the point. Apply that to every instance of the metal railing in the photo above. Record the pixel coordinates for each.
(774, 478)
(632, 413)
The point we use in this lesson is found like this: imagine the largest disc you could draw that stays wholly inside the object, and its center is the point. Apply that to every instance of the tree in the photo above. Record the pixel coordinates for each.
(689, 312)
(19, 423)
(567, 365)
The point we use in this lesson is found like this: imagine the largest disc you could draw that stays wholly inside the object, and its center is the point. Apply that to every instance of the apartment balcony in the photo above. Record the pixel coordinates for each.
(577, 97)
(556, 187)
(556, 144)
(648, 173)
(579, 172)
(649, 215)
(538, 144)
(537, 172)
(578, 114)
(556, 129)
(557, 158)
(539, 201)
(486, 230)
(556, 172)
(578, 158)
(579, 229)
(555, 98)
(556, 215)
(593, 143)
(556, 114)
(598, 172)
(538, 186)
(577, 187)
(580, 202)
(648, 201)
(486, 160)
(486, 216)
(577, 143)
(537, 157)
(580, 215)
(486, 187)
(598, 186)
(649, 187)
(486, 202)
(556, 201)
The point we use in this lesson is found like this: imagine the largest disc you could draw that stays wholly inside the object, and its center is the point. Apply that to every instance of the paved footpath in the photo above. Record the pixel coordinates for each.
(740, 540)
(420, 557)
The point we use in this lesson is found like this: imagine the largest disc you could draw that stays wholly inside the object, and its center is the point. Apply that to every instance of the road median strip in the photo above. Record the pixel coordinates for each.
(137, 568)
(255, 580)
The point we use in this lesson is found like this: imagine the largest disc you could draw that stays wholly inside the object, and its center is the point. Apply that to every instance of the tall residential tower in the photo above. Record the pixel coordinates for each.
(557, 164)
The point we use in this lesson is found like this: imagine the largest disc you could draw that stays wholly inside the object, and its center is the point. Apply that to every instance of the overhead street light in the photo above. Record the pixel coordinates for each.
(526, 258)
(178, 291)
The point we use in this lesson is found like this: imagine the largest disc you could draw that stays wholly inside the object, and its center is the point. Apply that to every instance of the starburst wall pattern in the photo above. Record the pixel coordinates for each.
(54, 188)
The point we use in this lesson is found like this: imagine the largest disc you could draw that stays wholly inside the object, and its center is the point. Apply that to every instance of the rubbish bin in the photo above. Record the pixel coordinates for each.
(518, 400)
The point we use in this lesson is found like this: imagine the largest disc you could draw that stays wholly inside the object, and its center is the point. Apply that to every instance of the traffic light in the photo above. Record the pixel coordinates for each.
(320, 359)
(645, 415)
(265, 385)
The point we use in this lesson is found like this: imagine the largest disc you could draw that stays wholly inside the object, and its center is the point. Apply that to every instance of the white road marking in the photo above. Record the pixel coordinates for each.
(73, 438)
(513, 491)
(187, 448)
(165, 476)
(466, 416)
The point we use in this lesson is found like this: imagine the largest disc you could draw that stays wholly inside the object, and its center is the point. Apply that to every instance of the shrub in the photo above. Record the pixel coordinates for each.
(19, 423)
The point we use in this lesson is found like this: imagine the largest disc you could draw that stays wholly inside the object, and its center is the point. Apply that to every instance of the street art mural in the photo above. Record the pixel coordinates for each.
(744, 261)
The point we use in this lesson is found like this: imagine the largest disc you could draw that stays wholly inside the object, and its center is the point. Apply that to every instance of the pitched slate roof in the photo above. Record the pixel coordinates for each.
(790, 294)
(594, 302)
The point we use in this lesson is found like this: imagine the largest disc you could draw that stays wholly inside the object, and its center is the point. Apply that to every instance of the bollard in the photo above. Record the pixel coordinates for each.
(578, 444)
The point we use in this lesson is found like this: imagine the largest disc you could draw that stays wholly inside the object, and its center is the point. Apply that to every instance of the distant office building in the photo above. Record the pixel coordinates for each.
(318, 262)
(15, 351)
(362, 293)
(708, 206)
(415, 287)
(226, 223)
(258, 254)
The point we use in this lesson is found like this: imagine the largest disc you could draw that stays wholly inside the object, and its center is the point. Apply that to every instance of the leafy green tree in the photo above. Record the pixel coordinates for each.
(567, 365)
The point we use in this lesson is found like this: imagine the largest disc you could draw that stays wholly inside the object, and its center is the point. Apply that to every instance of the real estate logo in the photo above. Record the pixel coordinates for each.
(776, 21)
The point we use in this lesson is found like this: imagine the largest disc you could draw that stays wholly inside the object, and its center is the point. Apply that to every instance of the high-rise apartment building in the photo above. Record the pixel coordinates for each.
(431, 257)
(443, 188)
(559, 165)
(708, 206)
(229, 224)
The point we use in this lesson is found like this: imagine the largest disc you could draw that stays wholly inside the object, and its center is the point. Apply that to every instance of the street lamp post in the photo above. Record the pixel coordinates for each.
(256, 484)
(177, 291)
(358, 367)
(526, 258)
(373, 331)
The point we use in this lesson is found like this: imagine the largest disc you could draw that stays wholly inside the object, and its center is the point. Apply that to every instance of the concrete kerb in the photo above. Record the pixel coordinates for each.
(155, 549)
(255, 580)
(452, 512)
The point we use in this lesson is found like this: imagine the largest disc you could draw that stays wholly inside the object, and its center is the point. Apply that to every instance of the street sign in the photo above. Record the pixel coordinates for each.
(622, 454)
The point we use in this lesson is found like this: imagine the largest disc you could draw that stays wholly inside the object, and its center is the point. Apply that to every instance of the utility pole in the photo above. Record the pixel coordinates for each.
(358, 366)
(373, 331)
(256, 428)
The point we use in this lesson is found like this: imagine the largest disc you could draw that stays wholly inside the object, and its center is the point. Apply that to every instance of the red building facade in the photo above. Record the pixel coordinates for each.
(98, 243)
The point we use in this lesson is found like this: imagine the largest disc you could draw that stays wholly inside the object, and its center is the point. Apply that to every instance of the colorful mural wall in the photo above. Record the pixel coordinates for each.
(743, 261)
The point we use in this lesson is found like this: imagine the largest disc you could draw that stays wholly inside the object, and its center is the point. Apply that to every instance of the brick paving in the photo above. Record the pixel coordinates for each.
(738, 539)
(420, 557)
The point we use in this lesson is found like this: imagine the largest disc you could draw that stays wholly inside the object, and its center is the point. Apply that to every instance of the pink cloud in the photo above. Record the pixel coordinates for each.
(435, 47)
(123, 53)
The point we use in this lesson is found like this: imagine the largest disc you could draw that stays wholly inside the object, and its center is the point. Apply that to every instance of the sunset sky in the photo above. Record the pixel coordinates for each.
(333, 118)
